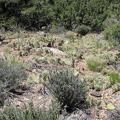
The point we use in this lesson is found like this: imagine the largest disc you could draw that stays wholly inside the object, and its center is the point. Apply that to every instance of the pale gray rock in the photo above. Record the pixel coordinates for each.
(41, 33)
(79, 115)
(56, 51)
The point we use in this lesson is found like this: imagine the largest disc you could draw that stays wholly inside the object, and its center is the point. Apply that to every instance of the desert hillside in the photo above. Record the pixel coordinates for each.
(59, 59)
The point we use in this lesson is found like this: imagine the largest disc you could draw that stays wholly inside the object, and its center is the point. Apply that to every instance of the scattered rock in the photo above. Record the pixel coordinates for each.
(79, 115)
(61, 117)
(6, 41)
(101, 38)
(96, 94)
(18, 104)
(34, 70)
(118, 108)
(17, 91)
(117, 97)
(114, 114)
(56, 51)
(41, 33)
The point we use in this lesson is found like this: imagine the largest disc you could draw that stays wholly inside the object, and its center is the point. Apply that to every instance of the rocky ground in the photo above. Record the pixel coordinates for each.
(41, 52)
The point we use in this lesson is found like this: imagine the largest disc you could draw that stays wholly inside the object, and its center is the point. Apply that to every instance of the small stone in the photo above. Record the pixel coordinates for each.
(96, 94)
(41, 33)
(78, 116)
(61, 117)
(17, 103)
(117, 97)
(101, 38)
(118, 108)
(56, 51)
(34, 70)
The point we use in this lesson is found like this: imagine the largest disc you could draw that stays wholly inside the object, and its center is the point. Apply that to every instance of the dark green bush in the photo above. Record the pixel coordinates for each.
(29, 113)
(69, 90)
(68, 13)
(10, 74)
(112, 33)
(28, 13)
(83, 29)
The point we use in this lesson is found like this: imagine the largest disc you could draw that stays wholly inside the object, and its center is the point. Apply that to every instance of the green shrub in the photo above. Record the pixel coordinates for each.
(114, 77)
(33, 15)
(69, 90)
(83, 29)
(112, 33)
(70, 35)
(95, 64)
(10, 74)
(57, 29)
(29, 113)
(109, 22)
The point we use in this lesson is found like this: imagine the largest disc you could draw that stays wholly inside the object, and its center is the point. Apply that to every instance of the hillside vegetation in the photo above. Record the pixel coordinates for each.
(59, 60)
(34, 14)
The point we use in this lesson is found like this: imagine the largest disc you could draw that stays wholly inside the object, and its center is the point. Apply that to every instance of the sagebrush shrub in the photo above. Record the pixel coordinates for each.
(109, 22)
(112, 33)
(69, 90)
(10, 74)
(83, 29)
(29, 113)
(57, 29)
